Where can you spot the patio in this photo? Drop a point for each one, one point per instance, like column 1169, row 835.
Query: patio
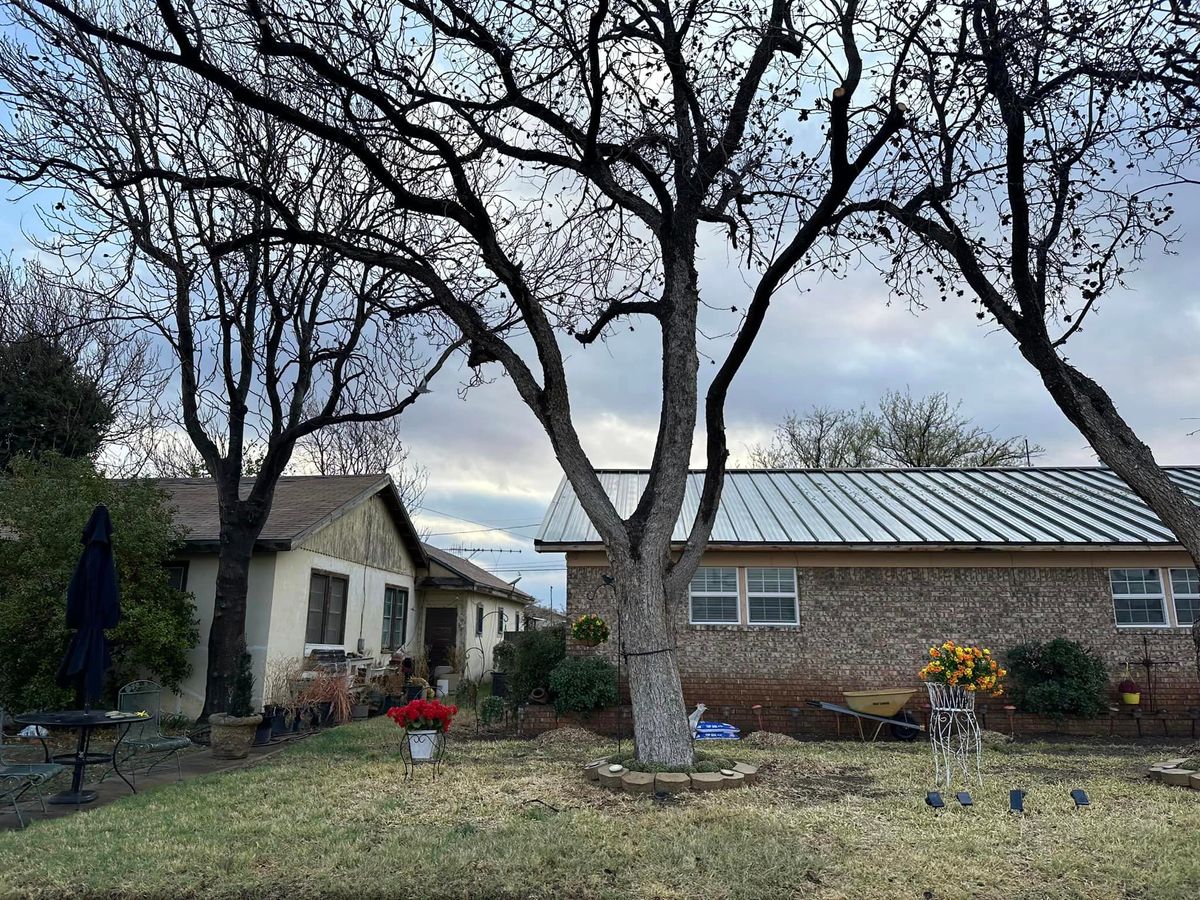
column 192, row 764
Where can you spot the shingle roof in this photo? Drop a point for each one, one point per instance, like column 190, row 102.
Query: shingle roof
column 1033, row 507
column 470, row 574
column 302, row 504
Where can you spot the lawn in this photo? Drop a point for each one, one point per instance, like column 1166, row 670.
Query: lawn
column 333, row 817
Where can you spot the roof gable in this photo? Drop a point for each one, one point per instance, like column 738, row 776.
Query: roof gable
column 1034, row 507
column 302, row 506
column 448, row 570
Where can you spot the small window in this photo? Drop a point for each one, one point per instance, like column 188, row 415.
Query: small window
column 1185, row 589
column 1138, row 596
column 177, row 573
column 516, row 622
column 395, row 618
column 501, row 615
column 714, row 597
column 326, row 609
column 771, row 596
column 479, row 619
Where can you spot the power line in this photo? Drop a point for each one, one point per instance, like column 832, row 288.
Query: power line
column 484, row 526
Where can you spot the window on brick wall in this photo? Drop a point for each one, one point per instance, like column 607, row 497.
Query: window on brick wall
column 771, row 596
column 714, row 596
column 1185, row 591
column 1138, row 597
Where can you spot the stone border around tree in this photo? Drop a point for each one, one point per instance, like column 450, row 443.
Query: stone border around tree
column 618, row 778
column 1169, row 772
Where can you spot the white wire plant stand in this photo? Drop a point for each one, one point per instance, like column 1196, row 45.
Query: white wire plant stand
column 954, row 735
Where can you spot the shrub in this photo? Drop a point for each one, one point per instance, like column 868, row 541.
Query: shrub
column 1058, row 679
column 583, row 683
column 535, row 655
column 45, row 503
column 491, row 710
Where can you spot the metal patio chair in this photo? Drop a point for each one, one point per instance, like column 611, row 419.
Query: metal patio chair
column 11, row 789
column 36, row 773
column 145, row 738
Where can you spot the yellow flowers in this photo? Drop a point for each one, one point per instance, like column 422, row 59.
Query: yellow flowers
column 967, row 666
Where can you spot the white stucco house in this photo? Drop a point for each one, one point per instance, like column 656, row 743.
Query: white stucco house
column 339, row 565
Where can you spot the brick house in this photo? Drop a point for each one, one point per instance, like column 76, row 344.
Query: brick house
column 816, row 582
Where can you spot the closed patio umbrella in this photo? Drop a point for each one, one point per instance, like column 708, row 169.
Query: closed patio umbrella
column 93, row 605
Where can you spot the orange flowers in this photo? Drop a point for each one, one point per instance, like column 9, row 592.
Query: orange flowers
column 966, row 666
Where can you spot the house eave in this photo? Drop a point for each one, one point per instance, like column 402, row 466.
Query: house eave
column 597, row 546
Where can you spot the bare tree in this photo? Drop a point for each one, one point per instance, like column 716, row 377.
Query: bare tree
column 1052, row 137
column 906, row 431
column 822, row 438
column 566, row 162
column 117, row 358
column 364, row 448
column 272, row 340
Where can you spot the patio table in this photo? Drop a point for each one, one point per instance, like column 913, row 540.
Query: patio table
column 85, row 721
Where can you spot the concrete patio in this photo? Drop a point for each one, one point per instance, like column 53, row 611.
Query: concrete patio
column 192, row 764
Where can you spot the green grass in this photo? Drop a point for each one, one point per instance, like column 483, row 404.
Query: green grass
column 333, row 817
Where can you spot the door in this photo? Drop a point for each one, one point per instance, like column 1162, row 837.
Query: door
column 441, row 634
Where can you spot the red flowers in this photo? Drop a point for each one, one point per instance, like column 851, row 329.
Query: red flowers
column 423, row 715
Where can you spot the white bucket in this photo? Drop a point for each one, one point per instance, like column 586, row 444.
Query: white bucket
column 443, row 687
column 421, row 744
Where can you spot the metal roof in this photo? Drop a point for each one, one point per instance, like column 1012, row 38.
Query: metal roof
column 1030, row 507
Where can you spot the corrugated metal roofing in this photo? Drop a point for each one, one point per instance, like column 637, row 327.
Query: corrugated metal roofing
column 897, row 507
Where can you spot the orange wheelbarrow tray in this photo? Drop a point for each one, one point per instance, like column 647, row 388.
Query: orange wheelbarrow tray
column 884, row 706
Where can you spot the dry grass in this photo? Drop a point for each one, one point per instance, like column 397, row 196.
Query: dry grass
column 332, row 817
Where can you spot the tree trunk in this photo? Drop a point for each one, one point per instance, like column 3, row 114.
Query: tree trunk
column 227, row 636
column 1092, row 411
column 660, row 727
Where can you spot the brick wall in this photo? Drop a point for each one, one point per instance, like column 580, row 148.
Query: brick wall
column 863, row 627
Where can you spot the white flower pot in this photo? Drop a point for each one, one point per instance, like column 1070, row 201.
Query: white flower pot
column 422, row 744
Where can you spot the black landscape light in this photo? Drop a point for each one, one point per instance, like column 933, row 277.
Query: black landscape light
column 964, row 799
column 1079, row 795
column 1016, row 801
column 934, row 799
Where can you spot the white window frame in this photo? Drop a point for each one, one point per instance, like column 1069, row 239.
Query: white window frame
column 692, row 593
column 750, row 595
column 1187, row 595
column 1162, row 599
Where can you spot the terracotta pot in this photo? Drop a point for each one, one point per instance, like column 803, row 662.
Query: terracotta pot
column 232, row 736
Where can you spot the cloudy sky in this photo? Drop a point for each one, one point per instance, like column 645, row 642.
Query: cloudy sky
column 841, row 343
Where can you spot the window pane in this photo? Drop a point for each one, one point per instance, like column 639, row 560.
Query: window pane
column 316, row 608
column 501, row 618
column 715, row 581
column 1187, row 610
column 400, row 617
column 177, row 576
column 1185, row 581
column 1139, row 610
column 479, row 620
column 766, row 610
column 713, row 608
column 1138, row 582
column 335, row 609
column 771, row 581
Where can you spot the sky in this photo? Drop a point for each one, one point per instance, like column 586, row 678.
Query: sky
column 842, row 343
column 491, row 472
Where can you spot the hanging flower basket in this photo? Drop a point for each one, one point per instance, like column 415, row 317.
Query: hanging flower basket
column 590, row 630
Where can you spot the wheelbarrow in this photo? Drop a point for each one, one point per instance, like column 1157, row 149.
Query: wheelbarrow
column 882, row 706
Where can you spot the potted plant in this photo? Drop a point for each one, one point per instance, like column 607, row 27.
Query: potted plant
column 233, row 730
column 1131, row 694
column 590, row 630
column 956, row 673
column 415, row 689
column 424, row 722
